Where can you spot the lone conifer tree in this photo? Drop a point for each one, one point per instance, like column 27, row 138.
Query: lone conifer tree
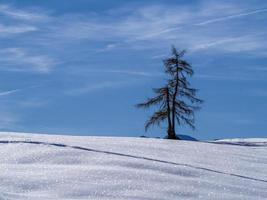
column 177, row 100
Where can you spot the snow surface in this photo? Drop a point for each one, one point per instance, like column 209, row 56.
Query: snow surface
column 35, row 167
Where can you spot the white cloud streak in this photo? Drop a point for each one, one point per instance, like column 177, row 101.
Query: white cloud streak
column 6, row 30
column 138, row 27
column 136, row 73
column 26, row 15
column 95, row 87
column 14, row 91
column 151, row 27
column 9, row 92
column 18, row 59
column 226, row 77
column 148, row 27
column 238, row 15
column 33, row 103
column 129, row 72
column 244, row 43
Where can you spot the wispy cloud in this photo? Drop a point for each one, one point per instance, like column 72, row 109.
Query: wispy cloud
column 18, row 21
column 215, row 43
column 33, row 103
column 14, row 91
column 148, row 27
column 227, row 77
column 136, row 73
column 35, row 39
column 244, row 43
column 9, row 92
column 151, row 27
column 139, row 28
column 28, row 57
column 225, row 18
column 10, row 117
column 96, row 86
column 6, row 30
column 28, row 15
column 18, row 59
column 129, row 72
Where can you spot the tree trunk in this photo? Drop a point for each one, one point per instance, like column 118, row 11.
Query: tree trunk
column 170, row 131
column 173, row 103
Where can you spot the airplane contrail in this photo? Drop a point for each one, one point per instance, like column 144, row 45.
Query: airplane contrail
column 171, row 29
column 231, row 17
column 5, row 93
column 9, row 92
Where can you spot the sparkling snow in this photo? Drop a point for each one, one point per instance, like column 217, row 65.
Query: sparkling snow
column 35, row 167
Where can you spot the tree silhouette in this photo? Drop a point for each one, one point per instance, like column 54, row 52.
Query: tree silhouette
column 163, row 100
column 177, row 100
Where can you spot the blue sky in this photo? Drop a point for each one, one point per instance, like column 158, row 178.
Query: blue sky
column 79, row 67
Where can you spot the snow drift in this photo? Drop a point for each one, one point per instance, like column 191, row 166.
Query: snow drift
column 36, row 167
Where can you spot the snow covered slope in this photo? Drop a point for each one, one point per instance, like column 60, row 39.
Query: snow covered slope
column 35, row 167
column 244, row 141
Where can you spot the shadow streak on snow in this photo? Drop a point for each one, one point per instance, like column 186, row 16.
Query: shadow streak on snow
column 246, row 144
column 131, row 156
